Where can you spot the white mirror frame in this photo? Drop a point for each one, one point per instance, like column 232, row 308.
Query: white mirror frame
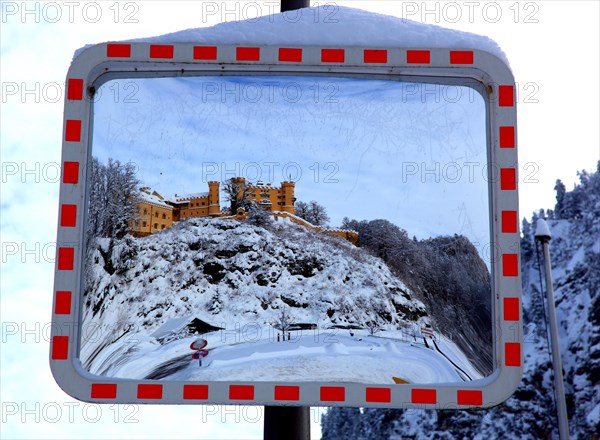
column 97, row 64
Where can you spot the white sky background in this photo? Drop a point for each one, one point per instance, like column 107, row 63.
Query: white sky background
column 553, row 49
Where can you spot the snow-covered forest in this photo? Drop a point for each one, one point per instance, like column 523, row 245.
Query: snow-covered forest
column 530, row 413
column 112, row 202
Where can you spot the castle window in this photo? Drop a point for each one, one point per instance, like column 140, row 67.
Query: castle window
column 145, row 211
column 156, row 214
column 162, row 226
column 164, row 215
column 155, row 225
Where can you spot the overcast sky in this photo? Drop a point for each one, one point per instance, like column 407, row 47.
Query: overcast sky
column 553, row 49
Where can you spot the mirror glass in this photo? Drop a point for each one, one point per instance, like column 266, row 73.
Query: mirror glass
column 288, row 228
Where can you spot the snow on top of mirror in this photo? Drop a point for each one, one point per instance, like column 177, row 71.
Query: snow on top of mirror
column 324, row 25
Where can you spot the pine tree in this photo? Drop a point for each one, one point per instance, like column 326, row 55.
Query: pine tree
column 560, row 199
column 258, row 216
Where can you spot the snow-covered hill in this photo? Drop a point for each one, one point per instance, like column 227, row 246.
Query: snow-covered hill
column 231, row 274
column 531, row 412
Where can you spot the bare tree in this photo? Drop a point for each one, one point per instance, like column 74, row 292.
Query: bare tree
column 312, row 212
column 318, row 214
column 283, row 320
column 373, row 327
column 238, row 195
column 301, row 209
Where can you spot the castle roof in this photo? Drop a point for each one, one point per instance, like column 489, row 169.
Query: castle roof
column 178, row 198
column 153, row 199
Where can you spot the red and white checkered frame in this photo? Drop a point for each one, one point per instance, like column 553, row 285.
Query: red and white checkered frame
column 130, row 60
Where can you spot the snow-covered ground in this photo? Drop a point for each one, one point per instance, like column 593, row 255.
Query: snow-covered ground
column 255, row 354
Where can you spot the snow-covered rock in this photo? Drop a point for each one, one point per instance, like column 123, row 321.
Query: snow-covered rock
column 229, row 273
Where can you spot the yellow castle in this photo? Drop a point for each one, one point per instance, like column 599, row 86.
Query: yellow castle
column 156, row 213
column 267, row 196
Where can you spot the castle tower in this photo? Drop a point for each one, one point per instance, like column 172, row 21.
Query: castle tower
column 214, row 205
column 287, row 191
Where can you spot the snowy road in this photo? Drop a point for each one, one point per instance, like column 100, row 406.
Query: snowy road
column 308, row 356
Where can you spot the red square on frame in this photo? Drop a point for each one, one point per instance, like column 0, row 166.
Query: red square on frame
column 461, row 57
column 287, row 392
column 333, row 55
column 424, row 396
column 118, row 50
column 418, row 56
column 469, row 397
column 288, row 54
column 509, row 222
column 383, row 395
column 195, row 392
column 241, row 392
column 376, row 56
column 512, row 354
column 104, row 391
column 71, row 172
column 511, row 309
column 62, row 303
column 333, row 394
column 75, row 89
column 508, row 179
column 510, row 265
column 66, row 258
column 73, row 130
column 149, row 391
column 506, row 96
column 507, row 137
column 68, row 215
column 60, row 348
column 161, row 51
column 205, row 52
column 247, row 54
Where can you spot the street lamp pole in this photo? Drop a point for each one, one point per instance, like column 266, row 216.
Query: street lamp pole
column 542, row 234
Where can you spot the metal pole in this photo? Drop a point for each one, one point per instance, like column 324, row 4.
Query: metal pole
column 288, row 422
column 543, row 235
column 290, row 5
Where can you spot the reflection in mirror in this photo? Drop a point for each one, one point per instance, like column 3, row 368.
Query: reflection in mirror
column 305, row 228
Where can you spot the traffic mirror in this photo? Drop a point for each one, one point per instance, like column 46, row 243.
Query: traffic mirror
column 339, row 225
